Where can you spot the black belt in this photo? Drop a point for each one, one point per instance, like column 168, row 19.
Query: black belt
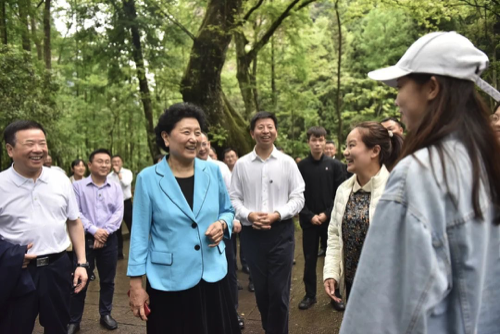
column 45, row 260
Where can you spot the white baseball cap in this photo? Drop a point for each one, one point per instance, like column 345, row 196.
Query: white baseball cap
column 442, row 53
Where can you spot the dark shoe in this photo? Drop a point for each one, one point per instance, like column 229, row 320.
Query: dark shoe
column 321, row 253
column 92, row 277
column 241, row 322
column 120, row 256
column 307, row 303
column 109, row 322
column 251, row 287
column 245, row 269
column 339, row 307
column 239, row 286
column 73, row 328
column 294, row 262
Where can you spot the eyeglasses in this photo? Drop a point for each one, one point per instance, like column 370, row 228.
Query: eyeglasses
column 494, row 118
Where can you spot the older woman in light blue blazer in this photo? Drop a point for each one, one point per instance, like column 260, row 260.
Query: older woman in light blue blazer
column 181, row 213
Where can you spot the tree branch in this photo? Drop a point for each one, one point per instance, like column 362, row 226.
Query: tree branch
column 275, row 25
column 172, row 19
column 253, row 9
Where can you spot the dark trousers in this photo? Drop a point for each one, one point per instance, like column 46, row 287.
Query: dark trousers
column 310, row 241
column 50, row 300
column 323, row 234
column 127, row 218
column 270, row 258
column 106, row 259
column 231, row 270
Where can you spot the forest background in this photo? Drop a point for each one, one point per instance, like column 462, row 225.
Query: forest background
column 99, row 73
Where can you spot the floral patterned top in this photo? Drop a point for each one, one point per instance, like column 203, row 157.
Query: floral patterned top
column 354, row 229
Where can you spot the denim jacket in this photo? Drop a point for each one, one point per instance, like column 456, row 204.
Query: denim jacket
column 428, row 264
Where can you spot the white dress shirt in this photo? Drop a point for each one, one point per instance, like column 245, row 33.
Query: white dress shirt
column 268, row 185
column 36, row 212
column 224, row 170
column 125, row 182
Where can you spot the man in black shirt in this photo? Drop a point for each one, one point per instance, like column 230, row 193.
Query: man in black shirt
column 322, row 176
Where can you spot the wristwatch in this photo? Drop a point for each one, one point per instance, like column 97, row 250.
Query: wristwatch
column 83, row 265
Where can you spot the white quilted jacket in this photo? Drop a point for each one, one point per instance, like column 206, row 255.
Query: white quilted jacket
column 334, row 260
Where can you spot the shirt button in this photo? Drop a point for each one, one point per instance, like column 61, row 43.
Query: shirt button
column 194, row 225
column 197, row 247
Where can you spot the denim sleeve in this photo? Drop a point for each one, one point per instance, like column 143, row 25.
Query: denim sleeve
column 402, row 274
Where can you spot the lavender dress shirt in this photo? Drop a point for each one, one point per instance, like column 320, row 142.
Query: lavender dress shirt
column 100, row 206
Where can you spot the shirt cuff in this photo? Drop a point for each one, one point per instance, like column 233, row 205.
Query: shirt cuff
column 92, row 229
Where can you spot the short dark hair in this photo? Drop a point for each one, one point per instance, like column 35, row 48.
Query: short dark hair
column 117, row 156
column 173, row 115
column 394, row 119
column 229, row 149
column 316, row 131
column 99, row 150
column 331, row 142
column 10, row 131
column 262, row 115
column 76, row 162
column 213, row 150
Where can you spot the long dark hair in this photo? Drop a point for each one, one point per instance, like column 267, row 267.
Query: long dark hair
column 458, row 109
column 373, row 133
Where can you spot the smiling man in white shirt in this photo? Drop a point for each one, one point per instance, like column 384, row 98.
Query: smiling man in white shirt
column 37, row 204
column 267, row 190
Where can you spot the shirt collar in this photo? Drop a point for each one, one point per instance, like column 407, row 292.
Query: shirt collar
column 274, row 154
column 367, row 187
column 88, row 180
column 19, row 180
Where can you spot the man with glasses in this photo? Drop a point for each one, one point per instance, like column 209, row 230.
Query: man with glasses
column 101, row 211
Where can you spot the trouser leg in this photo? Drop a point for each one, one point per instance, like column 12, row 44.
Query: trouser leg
column 310, row 242
column 106, row 260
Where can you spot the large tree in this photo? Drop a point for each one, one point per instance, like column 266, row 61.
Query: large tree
column 201, row 83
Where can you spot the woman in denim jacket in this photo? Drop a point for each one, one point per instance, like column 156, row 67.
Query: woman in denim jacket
column 431, row 259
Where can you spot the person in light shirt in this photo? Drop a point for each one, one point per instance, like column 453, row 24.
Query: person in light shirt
column 124, row 178
column 267, row 191
column 37, row 204
column 204, row 153
column 101, row 209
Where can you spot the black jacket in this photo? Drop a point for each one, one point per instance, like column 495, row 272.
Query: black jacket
column 322, row 178
column 14, row 281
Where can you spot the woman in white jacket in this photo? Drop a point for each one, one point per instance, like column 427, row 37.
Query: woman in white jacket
column 371, row 152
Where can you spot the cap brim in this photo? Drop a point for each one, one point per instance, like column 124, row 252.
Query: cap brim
column 388, row 75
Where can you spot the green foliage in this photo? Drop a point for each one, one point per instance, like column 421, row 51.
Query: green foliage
column 91, row 97
column 27, row 92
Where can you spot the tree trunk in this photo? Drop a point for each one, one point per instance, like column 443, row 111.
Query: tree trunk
column 46, row 40
column 243, row 74
column 34, row 34
column 23, row 16
column 274, row 94
column 339, row 63
column 3, row 23
column 254, row 84
column 201, row 83
column 131, row 17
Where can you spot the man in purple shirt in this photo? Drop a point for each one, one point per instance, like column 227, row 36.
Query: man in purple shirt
column 101, row 212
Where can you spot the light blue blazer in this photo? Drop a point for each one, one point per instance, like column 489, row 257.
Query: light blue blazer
column 168, row 242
